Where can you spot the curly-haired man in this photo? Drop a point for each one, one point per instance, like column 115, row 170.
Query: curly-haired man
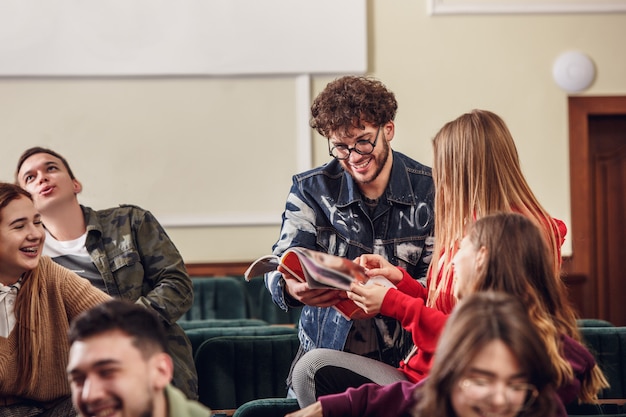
column 367, row 199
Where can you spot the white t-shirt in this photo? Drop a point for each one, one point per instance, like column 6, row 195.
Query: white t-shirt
column 73, row 255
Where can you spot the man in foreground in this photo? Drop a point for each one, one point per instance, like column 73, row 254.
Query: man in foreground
column 118, row 365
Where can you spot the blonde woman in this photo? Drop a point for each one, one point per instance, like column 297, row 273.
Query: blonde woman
column 477, row 172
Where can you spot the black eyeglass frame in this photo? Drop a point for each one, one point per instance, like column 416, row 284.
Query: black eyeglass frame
column 354, row 148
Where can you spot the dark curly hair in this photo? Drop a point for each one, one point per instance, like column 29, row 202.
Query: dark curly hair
column 349, row 101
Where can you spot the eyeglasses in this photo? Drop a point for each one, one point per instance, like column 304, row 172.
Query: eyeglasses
column 362, row 147
column 518, row 394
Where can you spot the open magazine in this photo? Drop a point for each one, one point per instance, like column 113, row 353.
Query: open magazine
column 320, row 270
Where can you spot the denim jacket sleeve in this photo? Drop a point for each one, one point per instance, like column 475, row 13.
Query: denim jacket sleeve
column 298, row 229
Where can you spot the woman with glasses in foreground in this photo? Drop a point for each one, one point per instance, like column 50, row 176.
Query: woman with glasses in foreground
column 502, row 252
column 490, row 361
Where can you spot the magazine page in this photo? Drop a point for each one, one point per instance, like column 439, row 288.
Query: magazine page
column 307, row 265
column 320, row 271
column 330, row 271
column 262, row 265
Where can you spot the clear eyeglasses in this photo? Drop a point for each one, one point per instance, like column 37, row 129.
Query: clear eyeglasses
column 519, row 394
column 362, row 147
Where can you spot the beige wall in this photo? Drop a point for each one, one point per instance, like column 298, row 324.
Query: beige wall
column 223, row 148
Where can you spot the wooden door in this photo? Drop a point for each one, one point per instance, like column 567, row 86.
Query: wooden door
column 598, row 193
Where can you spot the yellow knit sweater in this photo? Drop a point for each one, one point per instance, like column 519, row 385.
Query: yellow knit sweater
column 64, row 296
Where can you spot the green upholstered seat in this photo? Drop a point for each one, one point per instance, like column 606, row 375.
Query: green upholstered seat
column 202, row 324
column 608, row 345
column 233, row 370
column 262, row 306
column 613, row 410
column 593, row 323
column 200, row 335
column 218, row 298
column 267, row 407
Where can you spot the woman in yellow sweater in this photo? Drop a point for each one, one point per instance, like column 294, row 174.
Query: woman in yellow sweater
column 38, row 299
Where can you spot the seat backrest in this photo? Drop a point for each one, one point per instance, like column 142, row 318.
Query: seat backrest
column 262, row 307
column 594, row 323
column 200, row 335
column 218, row 298
column 233, row 370
column 267, row 407
column 608, row 345
column 203, row 324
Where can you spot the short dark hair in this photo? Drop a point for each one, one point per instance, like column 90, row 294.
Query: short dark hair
column 138, row 322
column 34, row 151
column 349, row 101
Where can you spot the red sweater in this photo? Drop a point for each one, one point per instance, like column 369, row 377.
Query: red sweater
column 407, row 305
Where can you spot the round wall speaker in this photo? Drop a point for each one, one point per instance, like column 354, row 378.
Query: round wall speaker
column 573, row 71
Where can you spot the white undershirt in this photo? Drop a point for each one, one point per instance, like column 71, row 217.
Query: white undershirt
column 73, row 255
column 54, row 248
column 8, row 294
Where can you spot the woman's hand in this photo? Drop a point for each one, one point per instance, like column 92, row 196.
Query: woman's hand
column 369, row 297
column 377, row 265
column 313, row 410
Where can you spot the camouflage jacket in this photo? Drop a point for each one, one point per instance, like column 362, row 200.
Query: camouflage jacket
column 138, row 262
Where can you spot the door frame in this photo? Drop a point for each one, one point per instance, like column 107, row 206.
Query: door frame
column 580, row 268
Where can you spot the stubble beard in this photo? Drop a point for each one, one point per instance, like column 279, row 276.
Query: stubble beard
column 380, row 163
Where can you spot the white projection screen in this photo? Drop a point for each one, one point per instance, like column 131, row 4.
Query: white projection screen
column 181, row 37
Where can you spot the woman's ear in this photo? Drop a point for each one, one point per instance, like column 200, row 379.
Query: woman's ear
column 481, row 258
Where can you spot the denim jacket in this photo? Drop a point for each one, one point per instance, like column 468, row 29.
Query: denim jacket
column 139, row 262
column 325, row 212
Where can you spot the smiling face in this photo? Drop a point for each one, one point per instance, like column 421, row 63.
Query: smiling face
column 494, row 385
column 21, row 239
column 109, row 376
column 367, row 169
column 48, row 180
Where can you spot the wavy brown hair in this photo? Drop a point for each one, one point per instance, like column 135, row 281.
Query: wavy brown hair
column 519, row 263
column 349, row 101
column 478, row 320
column 27, row 310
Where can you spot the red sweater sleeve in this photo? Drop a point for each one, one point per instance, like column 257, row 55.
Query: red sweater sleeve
column 411, row 286
column 424, row 323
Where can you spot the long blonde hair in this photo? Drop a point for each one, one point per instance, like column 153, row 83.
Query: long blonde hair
column 28, row 312
column 476, row 172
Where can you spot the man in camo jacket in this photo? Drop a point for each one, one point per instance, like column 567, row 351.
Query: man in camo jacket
column 124, row 251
